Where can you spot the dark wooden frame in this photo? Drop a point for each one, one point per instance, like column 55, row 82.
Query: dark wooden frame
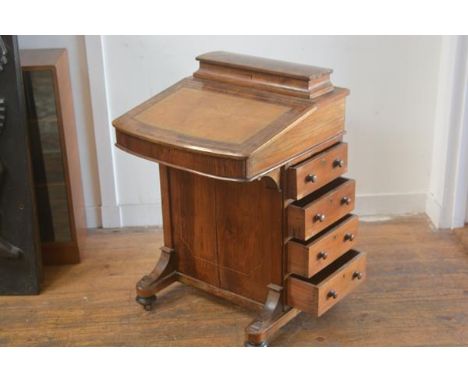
column 56, row 61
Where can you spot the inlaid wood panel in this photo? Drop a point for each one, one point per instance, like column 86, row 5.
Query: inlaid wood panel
column 193, row 219
column 226, row 234
column 211, row 115
column 249, row 236
column 280, row 112
column 321, row 125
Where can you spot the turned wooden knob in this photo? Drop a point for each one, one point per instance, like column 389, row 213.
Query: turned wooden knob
column 311, row 178
column 319, row 217
column 346, row 200
column 357, row 275
column 332, row 294
column 322, row 255
column 349, row 236
column 338, row 163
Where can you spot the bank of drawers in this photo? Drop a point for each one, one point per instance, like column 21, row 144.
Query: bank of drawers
column 322, row 267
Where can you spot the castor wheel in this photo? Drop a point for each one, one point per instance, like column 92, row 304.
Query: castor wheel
column 147, row 302
column 263, row 344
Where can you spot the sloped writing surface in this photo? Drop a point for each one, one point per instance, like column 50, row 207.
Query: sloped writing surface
column 227, row 131
column 211, row 115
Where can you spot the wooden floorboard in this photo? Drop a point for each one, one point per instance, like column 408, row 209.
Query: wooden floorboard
column 416, row 294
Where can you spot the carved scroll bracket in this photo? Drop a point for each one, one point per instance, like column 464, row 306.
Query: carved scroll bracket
column 162, row 274
column 273, row 179
column 272, row 317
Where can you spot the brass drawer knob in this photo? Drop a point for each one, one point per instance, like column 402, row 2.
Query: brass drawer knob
column 322, row 255
column 332, row 294
column 357, row 275
column 349, row 236
column 338, row 163
column 311, row 178
column 346, row 200
column 319, row 217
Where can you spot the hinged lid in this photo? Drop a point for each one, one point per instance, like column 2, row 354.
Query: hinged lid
column 237, row 117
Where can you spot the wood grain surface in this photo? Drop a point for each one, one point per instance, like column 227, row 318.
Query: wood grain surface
column 56, row 61
column 216, row 234
column 416, row 294
column 245, row 131
column 307, row 258
column 314, row 295
column 257, row 72
column 317, row 171
column 210, row 115
column 328, row 202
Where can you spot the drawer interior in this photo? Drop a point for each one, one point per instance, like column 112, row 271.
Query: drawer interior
column 319, row 193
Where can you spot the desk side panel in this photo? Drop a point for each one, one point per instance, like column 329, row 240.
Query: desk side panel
column 193, row 219
column 249, row 237
column 324, row 124
column 227, row 234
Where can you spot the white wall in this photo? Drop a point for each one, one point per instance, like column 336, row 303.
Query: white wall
column 448, row 187
column 466, row 212
column 390, row 114
column 84, row 124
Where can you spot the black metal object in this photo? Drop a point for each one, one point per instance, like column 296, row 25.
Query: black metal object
column 146, row 302
column 3, row 54
column 20, row 263
column 44, row 208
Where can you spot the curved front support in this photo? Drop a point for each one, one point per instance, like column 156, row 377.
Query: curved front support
column 161, row 276
column 272, row 317
column 272, row 179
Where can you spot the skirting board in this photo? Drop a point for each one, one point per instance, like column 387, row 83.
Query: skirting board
column 441, row 218
column 93, row 217
column 390, row 204
column 134, row 215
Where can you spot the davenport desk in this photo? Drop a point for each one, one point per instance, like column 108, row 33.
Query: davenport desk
column 255, row 208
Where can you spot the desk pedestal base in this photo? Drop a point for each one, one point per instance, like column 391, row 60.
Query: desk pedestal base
column 271, row 317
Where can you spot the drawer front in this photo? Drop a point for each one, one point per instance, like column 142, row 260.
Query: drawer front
column 306, row 259
column 305, row 221
column 317, row 171
column 319, row 294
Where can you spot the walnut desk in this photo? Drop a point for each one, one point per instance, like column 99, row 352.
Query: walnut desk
column 255, row 208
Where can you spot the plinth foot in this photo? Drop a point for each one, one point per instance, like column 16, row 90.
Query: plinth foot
column 252, row 345
column 160, row 277
column 272, row 318
column 146, row 302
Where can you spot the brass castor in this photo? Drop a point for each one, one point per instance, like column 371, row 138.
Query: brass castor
column 147, row 302
column 263, row 344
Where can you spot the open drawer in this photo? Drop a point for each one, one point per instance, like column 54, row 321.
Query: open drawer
column 317, row 171
column 319, row 293
column 317, row 211
column 306, row 258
